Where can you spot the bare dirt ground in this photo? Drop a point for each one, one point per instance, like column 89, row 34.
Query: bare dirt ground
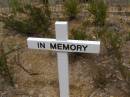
column 45, row 83
column 41, row 77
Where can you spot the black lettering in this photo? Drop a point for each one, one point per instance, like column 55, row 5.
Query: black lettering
column 59, row 46
column 41, row 45
column 38, row 44
column 79, row 47
column 85, row 47
column 72, row 47
column 52, row 46
column 65, row 47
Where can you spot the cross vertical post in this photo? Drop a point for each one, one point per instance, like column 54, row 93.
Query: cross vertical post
column 62, row 46
column 62, row 59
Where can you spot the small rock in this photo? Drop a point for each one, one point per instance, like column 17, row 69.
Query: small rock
column 40, row 95
column 111, row 96
column 16, row 86
column 31, row 92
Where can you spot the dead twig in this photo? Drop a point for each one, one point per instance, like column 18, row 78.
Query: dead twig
column 18, row 63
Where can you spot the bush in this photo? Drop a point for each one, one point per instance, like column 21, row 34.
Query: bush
column 14, row 5
column 4, row 69
column 113, row 42
column 98, row 9
column 33, row 20
column 23, row 27
column 128, row 37
column 44, row 1
column 39, row 18
column 78, row 34
column 71, row 8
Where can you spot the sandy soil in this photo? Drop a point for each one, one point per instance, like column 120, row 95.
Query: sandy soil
column 41, row 80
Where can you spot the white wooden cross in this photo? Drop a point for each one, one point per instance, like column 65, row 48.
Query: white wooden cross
column 62, row 45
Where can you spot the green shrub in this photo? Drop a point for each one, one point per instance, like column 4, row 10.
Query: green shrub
column 71, row 8
column 39, row 18
column 14, row 5
column 44, row 1
column 78, row 34
column 114, row 42
column 23, row 27
column 98, row 9
column 35, row 20
column 128, row 37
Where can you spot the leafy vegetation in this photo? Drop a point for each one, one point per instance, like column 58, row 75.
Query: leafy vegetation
column 98, row 9
column 44, row 1
column 128, row 36
column 33, row 19
column 78, row 34
column 113, row 42
column 14, row 5
column 71, row 8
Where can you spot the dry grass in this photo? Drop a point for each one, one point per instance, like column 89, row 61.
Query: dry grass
column 44, row 64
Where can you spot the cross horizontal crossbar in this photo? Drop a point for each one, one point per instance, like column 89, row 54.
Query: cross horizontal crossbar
column 64, row 46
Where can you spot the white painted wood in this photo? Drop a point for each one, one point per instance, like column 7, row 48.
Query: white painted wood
column 80, row 46
column 62, row 59
column 62, row 45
